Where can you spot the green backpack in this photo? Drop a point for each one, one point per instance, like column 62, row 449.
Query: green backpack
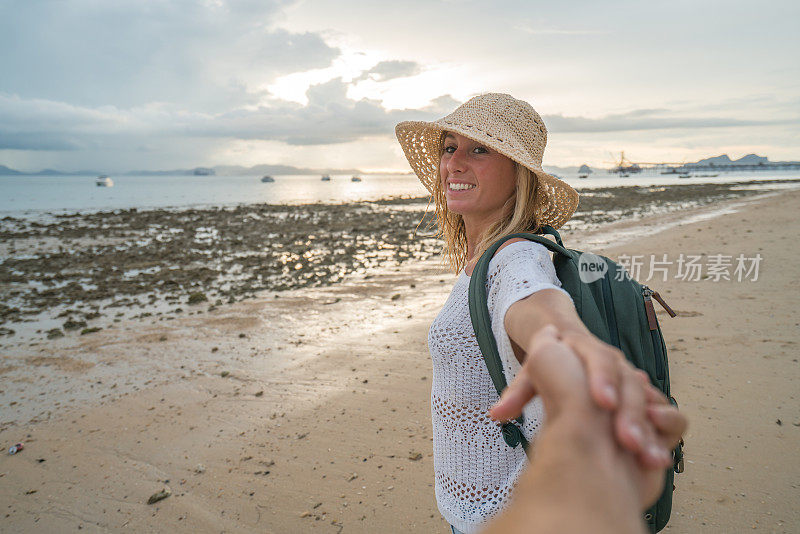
column 614, row 307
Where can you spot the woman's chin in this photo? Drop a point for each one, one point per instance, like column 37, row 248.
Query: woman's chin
column 457, row 206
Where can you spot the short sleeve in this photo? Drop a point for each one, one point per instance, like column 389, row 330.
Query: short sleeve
column 517, row 271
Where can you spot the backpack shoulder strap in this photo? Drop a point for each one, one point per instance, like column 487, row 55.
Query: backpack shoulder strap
column 482, row 323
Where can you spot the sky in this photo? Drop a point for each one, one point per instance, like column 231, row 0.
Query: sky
column 175, row 84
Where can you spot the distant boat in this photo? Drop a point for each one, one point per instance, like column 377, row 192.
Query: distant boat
column 267, row 179
column 583, row 176
column 706, row 175
column 625, row 175
column 326, row 177
column 355, row 179
column 686, row 175
column 104, row 181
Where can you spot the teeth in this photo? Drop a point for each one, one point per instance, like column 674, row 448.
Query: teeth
column 461, row 187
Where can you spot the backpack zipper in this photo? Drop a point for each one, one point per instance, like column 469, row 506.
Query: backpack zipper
column 647, row 293
column 663, row 304
column 658, row 348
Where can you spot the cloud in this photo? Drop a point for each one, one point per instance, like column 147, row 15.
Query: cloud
column 330, row 117
column 646, row 119
column 207, row 56
column 526, row 28
column 389, row 70
column 38, row 124
column 443, row 105
column 37, row 141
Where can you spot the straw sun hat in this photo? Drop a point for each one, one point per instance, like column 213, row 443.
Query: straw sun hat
column 500, row 122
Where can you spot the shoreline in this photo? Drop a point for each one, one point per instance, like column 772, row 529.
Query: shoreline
column 368, row 195
column 84, row 272
column 313, row 411
column 156, row 327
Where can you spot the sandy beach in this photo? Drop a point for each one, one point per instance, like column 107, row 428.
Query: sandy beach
column 306, row 407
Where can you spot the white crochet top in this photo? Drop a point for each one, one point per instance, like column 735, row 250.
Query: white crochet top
column 475, row 470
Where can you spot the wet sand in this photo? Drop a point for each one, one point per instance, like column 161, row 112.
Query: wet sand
column 308, row 409
column 74, row 274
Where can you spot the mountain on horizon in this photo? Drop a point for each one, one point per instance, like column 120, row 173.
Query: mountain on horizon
column 219, row 170
column 6, row 171
column 724, row 159
column 265, row 168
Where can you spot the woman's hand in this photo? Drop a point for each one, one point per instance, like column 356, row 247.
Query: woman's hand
column 617, row 385
column 581, row 480
column 614, row 384
column 541, row 375
column 670, row 424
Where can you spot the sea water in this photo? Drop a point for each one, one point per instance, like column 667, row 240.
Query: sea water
column 20, row 195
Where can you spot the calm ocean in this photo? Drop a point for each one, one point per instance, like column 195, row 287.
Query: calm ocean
column 36, row 194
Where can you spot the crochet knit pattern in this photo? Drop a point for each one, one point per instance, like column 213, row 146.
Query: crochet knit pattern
column 475, row 470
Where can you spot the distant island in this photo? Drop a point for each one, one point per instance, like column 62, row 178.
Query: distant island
column 723, row 162
column 219, row 170
column 750, row 162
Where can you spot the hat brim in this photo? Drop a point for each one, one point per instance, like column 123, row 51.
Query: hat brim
column 422, row 144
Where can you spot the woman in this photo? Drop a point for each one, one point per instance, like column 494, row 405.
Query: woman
column 482, row 165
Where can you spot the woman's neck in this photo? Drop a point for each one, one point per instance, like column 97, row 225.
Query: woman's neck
column 474, row 229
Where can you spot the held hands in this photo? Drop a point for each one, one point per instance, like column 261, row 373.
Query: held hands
column 644, row 423
column 618, row 386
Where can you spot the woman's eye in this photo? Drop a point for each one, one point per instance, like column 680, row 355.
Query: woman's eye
column 477, row 150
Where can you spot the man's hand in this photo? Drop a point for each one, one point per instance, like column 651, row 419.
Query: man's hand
column 580, row 477
column 612, row 382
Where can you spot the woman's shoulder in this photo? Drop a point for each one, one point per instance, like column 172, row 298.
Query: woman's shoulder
column 518, row 244
column 512, row 241
column 517, row 253
column 521, row 263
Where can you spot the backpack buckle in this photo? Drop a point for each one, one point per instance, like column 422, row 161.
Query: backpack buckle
column 677, row 456
column 512, row 434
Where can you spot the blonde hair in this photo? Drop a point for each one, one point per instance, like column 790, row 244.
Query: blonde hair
column 521, row 213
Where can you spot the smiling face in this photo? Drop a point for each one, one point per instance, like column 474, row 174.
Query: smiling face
column 477, row 181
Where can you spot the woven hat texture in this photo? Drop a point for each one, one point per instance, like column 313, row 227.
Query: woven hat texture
column 500, row 122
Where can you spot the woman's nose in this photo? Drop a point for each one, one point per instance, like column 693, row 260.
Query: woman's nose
column 456, row 162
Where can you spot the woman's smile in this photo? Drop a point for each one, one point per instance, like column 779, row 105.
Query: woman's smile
column 459, row 186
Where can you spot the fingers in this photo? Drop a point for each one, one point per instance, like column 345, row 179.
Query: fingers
column 518, row 393
column 652, row 393
column 558, row 374
column 616, row 385
column 635, row 429
column 602, row 366
column 552, row 370
column 669, row 423
column 630, row 417
column 559, row 369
